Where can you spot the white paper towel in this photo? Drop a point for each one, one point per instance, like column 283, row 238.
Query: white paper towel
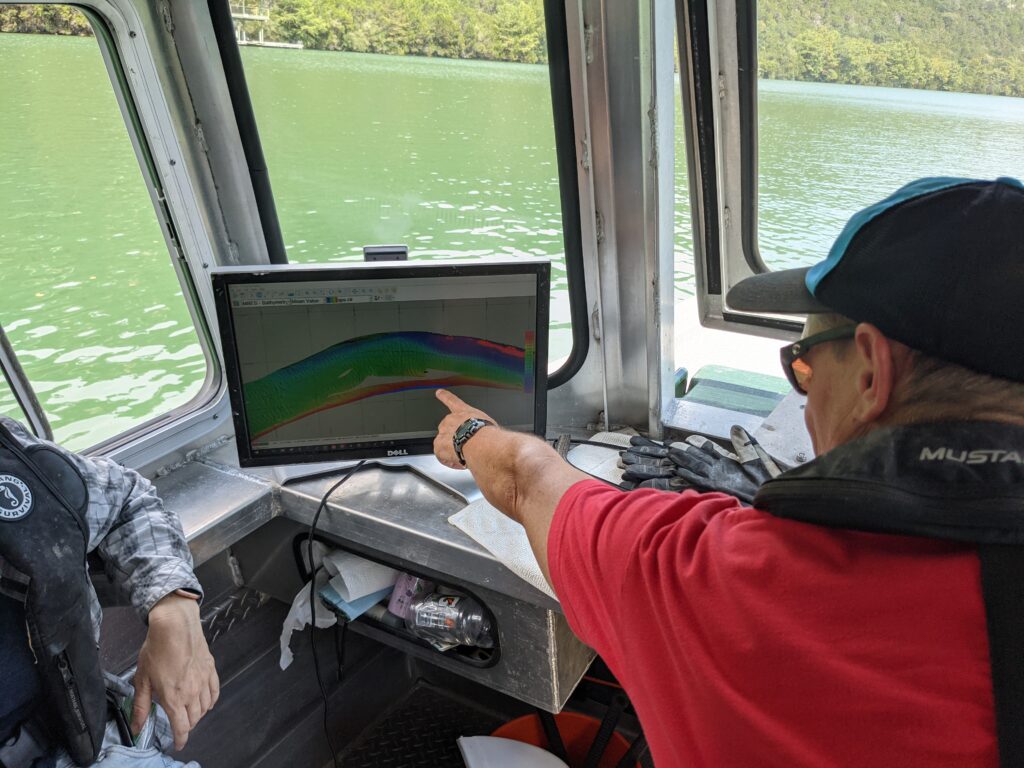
column 506, row 539
column 353, row 577
column 502, row 537
column 600, row 461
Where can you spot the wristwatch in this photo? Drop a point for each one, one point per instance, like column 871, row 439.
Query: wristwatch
column 466, row 430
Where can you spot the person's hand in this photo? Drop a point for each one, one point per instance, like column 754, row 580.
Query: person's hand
column 459, row 411
column 175, row 664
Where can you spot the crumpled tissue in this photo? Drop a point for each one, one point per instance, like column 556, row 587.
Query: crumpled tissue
column 351, row 576
column 299, row 617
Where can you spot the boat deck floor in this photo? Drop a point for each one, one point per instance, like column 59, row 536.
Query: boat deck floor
column 421, row 729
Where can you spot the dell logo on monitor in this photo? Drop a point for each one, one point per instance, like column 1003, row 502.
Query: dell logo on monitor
column 398, row 452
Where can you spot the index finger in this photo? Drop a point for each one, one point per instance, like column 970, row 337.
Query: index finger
column 450, row 401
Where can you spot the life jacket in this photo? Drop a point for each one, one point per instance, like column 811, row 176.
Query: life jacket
column 44, row 535
column 957, row 481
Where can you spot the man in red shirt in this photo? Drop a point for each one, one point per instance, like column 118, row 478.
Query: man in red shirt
column 867, row 610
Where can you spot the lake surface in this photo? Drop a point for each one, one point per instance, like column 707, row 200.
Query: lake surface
column 454, row 158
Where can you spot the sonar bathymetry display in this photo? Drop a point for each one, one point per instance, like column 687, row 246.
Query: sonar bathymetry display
column 381, row 364
column 351, row 361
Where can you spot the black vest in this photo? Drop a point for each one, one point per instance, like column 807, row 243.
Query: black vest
column 958, row 481
column 19, row 681
column 44, row 535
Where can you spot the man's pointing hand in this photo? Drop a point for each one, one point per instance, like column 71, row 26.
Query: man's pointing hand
column 458, row 412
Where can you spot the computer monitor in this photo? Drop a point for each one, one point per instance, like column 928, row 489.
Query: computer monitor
column 340, row 361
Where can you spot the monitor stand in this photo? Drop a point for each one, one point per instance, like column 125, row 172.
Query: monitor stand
column 455, row 481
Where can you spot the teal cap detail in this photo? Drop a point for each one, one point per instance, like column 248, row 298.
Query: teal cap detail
column 914, row 189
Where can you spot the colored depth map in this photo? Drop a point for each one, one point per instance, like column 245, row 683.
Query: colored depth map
column 318, row 371
column 381, row 364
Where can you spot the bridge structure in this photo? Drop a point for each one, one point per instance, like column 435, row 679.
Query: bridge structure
column 254, row 12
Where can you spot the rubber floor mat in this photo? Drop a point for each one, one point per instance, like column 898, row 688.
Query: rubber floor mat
column 420, row 730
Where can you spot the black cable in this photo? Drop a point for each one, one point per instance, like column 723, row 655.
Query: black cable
column 555, row 744
column 340, row 636
column 605, row 731
column 599, row 444
column 312, row 603
column 635, row 754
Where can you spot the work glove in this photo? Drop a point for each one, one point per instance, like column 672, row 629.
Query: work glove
column 647, row 464
column 705, row 465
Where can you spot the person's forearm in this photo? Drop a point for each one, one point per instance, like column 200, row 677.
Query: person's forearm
column 523, row 477
column 141, row 542
column 495, row 457
column 519, row 474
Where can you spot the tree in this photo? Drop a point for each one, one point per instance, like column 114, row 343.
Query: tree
column 300, row 21
column 519, row 31
column 859, row 61
column 818, row 53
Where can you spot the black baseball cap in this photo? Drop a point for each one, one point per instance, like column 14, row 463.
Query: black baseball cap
column 938, row 265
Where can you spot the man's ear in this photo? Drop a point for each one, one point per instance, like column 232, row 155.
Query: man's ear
column 875, row 373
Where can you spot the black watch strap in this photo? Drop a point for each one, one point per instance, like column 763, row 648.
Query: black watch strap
column 466, row 430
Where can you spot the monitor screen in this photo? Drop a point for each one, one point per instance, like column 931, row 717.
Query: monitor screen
column 341, row 361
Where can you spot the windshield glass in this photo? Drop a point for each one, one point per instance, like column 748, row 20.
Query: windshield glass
column 424, row 124
column 857, row 98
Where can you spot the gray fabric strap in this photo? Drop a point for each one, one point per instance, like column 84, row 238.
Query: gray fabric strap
column 1002, row 583
column 25, row 747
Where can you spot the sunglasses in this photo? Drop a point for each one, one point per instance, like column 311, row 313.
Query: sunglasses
column 797, row 370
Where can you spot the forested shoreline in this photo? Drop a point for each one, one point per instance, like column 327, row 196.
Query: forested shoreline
column 974, row 46
column 947, row 45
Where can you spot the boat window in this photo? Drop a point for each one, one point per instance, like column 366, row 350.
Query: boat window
column 92, row 305
column 430, row 128
column 856, row 99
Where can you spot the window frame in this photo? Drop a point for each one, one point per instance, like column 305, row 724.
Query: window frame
column 121, row 36
column 719, row 94
column 21, row 389
column 556, row 30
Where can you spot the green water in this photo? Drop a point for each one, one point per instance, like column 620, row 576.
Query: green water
column 826, row 151
column 91, row 303
column 454, row 158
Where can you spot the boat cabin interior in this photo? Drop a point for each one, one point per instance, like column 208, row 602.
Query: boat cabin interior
column 150, row 144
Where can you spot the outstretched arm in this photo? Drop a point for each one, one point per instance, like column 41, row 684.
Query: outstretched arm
column 519, row 474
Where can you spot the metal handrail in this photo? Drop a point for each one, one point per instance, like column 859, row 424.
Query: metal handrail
column 257, row 7
column 22, row 389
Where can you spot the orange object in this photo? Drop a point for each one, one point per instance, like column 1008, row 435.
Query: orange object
column 578, row 732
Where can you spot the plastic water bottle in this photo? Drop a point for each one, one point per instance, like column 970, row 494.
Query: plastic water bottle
column 408, row 589
column 450, row 620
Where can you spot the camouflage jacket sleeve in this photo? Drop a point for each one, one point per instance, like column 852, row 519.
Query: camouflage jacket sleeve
column 142, row 544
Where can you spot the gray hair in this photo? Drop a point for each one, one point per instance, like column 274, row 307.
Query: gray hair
column 933, row 388
column 826, row 321
column 948, row 390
